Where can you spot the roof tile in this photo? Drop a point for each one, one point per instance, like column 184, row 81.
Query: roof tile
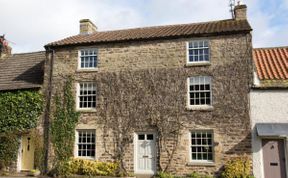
column 22, row 71
column 271, row 63
column 158, row 32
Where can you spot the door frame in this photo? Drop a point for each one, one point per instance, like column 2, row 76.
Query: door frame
column 285, row 140
column 19, row 157
column 135, row 141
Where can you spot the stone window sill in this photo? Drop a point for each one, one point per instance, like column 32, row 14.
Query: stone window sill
column 87, row 70
column 200, row 108
column 208, row 164
column 192, row 64
column 86, row 110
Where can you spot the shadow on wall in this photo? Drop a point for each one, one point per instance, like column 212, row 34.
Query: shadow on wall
column 243, row 147
column 32, row 75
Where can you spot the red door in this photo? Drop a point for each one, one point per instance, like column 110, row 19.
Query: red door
column 274, row 158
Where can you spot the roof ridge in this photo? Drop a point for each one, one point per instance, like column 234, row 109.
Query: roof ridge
column 160, row 26
column 28, row 53
column 276, row 47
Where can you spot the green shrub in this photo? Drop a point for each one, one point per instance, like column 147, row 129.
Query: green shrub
column 86, row 167
column 9, row 144
column 237, row 168
column 163, row 174
column 62, row 168
column 197, row 175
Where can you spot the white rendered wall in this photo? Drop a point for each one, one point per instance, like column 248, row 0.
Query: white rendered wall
column 266, row 106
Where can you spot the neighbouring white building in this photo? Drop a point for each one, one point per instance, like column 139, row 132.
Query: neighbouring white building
column 269, row 112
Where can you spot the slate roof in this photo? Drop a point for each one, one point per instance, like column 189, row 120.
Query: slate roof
column 22, row 71
column 229, row 26
column 271, row 63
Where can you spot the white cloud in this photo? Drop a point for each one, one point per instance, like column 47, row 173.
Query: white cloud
column 31, row 24
column 269, row 29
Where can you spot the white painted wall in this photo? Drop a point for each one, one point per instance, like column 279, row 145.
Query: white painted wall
column 266, row 106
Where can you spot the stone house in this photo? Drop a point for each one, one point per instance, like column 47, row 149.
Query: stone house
column 269, row 116
column 169, row 97
column 22, row 72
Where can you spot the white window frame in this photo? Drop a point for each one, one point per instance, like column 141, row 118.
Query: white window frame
column 78, row 97
column 203, row 106
column 76, row 144
column 196, row 63
column 79, row 59
column 190, row 148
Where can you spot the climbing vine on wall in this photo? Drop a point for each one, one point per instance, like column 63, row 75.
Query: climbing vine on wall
column 135, row 100
column 19, row 111
column 64, row 123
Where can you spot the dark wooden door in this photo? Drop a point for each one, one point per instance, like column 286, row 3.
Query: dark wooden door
column 274, row 158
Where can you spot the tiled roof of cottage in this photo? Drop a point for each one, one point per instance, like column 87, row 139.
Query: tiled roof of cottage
column 22, row 71
column 229, row 26
column 271, row 63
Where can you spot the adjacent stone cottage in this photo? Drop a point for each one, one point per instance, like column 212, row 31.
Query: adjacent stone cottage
column 169, row 97
column 269, row 116
column 21, row 76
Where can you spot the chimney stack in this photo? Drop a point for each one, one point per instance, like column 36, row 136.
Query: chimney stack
column 5, row 49
column 240, row 11
column 87, row 27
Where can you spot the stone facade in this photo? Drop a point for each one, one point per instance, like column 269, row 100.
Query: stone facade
column 230, row 57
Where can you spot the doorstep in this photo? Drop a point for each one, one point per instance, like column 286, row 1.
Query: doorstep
column 144, row 175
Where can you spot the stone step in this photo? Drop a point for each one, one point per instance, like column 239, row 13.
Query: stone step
column 144, row 175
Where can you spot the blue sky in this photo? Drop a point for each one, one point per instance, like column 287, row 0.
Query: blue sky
column 31, row 24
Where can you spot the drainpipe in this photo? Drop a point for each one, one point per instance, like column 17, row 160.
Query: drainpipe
column 50, row 57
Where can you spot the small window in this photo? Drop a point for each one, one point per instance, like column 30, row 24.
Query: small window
column 87, row 96
column 86, row 143
column 141, row 137
column 150, row 136
column 199, row 91
column 198, row 51
column 88, row 59
column 145, row 136
column 202, row 146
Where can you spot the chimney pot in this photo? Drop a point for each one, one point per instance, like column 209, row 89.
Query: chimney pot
column 240, row 12
column 87, row 27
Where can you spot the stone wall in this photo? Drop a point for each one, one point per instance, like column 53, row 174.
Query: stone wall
column 230, row 58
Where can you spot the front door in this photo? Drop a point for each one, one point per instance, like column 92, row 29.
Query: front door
column 27, row 153
column 145, row 153
column 274, row 158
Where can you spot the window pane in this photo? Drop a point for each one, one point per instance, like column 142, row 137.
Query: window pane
column 208, row 101
column 149, row 136
column 141, row 137
column 210, row 157
column 193, row 149
column 205, row 157
column 193, row 156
